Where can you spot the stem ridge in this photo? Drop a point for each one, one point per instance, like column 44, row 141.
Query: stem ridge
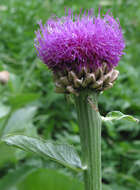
column 90, row 134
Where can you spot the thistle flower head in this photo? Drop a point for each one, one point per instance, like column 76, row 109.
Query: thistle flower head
column 76, row 41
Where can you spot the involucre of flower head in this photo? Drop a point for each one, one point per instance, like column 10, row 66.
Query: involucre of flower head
column 74, row 42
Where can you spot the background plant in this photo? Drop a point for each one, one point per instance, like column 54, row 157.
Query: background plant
column 30, row 93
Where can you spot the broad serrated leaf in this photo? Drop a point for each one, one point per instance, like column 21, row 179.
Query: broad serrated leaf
column 61, row 153
column 117, row 115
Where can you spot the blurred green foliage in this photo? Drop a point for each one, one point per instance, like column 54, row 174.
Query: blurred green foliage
column 29, row 105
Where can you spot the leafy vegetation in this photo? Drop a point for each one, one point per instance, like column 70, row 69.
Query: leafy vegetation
column 29, row 106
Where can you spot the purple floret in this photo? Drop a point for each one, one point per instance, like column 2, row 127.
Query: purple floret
column 73, row 42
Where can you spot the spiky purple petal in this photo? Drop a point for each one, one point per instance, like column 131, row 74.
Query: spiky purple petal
column 72, row 42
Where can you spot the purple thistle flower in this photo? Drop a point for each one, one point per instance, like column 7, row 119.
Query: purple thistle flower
column 73, row 42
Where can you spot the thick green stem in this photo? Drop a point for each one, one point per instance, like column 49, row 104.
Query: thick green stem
column 90, row 134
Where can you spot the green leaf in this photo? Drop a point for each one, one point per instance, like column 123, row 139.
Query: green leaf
column 13, row 178
column 4, row 110
column 20, row 121
column 14, row 83
column 7, row 154
column 105, row 3
column 106, row 187
column 61, row 153
column 115, row 186
column 49, row 179
column 20, row 100
column 117, row 115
